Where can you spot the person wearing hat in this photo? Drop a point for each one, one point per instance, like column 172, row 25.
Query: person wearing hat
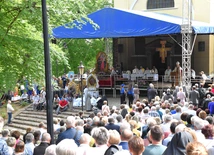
column 122, row 94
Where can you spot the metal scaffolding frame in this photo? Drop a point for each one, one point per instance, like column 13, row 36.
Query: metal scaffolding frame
column 186, row 31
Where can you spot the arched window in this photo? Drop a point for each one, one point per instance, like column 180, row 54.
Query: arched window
column 156, row 4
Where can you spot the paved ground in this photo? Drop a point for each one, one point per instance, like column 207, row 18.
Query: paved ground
column 116, row 101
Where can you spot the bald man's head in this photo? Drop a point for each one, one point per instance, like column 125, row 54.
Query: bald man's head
column 126, row 135
column 85, row 139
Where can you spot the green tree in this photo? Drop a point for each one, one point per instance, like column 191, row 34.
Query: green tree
column 21, row 41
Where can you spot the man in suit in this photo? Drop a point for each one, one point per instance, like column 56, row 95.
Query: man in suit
column 111, row 125
column 70, row 132
column 45, row 141
column 125, row 136
column 194, row 96
column 151, row 92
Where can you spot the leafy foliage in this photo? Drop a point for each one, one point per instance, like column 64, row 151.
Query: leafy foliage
column 21, row 41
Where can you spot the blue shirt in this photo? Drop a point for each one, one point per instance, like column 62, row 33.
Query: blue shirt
column 131, row 92
column 211, row 107
column 124, row 145
column 3, row 147
column 122, row 91
column 70, row 133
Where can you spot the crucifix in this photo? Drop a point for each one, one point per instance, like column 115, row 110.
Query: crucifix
column 163, row 50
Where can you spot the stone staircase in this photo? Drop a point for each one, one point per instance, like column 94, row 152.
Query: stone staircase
column 26, row 118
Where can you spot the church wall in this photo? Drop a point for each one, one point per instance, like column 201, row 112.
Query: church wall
column 211, row 64
column 123, row 5
column 199, row 13
column 201, row 10
column 211, row 12
column 201, row 58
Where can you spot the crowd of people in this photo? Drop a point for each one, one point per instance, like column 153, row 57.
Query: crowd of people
column 169, row 125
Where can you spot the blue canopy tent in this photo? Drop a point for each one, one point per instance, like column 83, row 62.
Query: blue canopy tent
column 116, row 23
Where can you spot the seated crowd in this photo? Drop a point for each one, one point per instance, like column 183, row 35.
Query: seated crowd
column 147, row 128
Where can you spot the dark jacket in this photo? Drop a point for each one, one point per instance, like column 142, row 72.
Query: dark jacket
column 40, row 149
column 112, row 126
column 70, row 133
column 151, row 94
column 194, row 96
column 167, row 97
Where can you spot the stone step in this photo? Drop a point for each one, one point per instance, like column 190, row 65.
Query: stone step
column 68, row 112
column 29, row 118
column 75, row 109
column 42, row 116
column 21, row 126
column 26, row 123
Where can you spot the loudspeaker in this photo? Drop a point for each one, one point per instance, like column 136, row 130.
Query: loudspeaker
column 120, row 48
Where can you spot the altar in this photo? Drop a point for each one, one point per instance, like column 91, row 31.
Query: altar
column 133, row 77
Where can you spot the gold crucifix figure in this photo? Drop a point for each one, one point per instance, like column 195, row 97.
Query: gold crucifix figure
column 163, row 50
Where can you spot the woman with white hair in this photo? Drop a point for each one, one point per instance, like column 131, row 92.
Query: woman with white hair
column 101, row 137
column 66, row 147
column 51, row 150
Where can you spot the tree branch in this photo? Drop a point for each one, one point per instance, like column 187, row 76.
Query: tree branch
column 11, row 23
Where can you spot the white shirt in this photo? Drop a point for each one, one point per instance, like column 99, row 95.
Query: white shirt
column 35, row 99
column 135, row 71
column 42, row 131
column 166, row 127
column 122, row 152
column 9, row 108
column 100, row 150
column 204, row 76
column 167, row 72
column 192, row 112
column 82, row 149
column 177, row 116
column 147, row 71
column 193, row 74
column 24, row 96
column 93, row 101
column 29, row 148
column 155, row 71
column 200, row 136
column 44, row 94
